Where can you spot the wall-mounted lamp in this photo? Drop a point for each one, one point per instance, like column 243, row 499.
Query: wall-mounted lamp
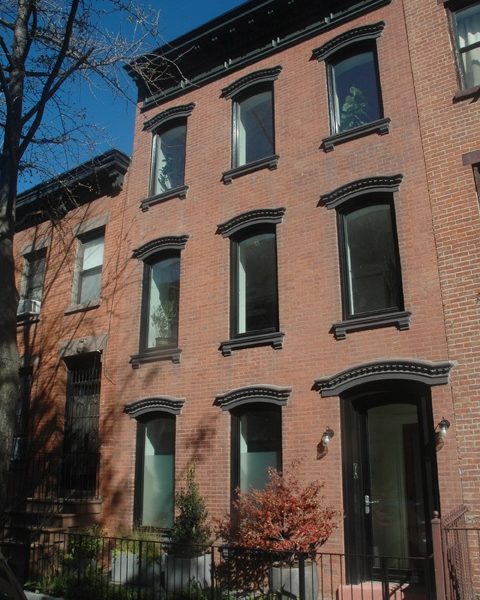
column 322, row 448
column 441, row 433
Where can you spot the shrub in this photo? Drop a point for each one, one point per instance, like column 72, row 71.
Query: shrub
column 190, row 533
column 283, row 517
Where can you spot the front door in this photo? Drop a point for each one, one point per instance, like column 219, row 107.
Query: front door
column 389, row 483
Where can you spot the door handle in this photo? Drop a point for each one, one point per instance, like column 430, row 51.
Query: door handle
column 368, row 503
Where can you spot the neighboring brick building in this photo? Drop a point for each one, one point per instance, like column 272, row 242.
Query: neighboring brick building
column 285, row 258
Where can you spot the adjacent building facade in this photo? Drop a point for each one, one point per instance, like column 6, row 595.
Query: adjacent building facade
column 288, row 272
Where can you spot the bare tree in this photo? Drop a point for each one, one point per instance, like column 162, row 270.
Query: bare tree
column 46, row 48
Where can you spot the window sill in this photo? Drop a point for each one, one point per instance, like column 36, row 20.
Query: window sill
column 466, row 94
column 399, row 318
column 27, row 319
column 270, row 162
column 154, row 355
column 382, row 127
column 83, row 307
column 178, row 192
column 273, row 338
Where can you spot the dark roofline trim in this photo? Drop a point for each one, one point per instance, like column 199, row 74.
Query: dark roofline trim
column 360, row 187
column 176, row 112
column 249, row 58
column 170, row 242
column 422, row 371
column 246, row 81
column 113, row 162
column 250, row 218
column 269, row 394
column 359, row 34
column 144, row 406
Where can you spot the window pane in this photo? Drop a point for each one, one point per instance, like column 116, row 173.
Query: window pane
column 169, row 161
column 355, row 93
column 89, row 285
column 260, row 446
column 373, row 273
column 159, row 472
column 257, row 283
column 92, row 253
column 468, row 33
column 35, row 270
column 163, row 302
column 254, row 128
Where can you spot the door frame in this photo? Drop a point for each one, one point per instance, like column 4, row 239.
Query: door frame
column 354, row 476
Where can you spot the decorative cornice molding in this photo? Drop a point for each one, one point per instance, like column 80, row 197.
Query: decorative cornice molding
column 359, row 187
column 169, row 242
column 270, row 394
column 252, row 217
column 359, row 34
column 176, row 112
column 254, row 78
column 423, row 371
column 167, row 404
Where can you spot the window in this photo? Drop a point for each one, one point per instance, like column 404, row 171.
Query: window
column 32, row 286
column 370, row 261
column 161, row 301
column 253, row 131
column 256, row 444
column 21, row 414
column 155, row 481
column 168, row 157
column 81, row 455
column 467, row 38
column 90, row 261
column 254, row 281
column 354, row 87
column 369, row 256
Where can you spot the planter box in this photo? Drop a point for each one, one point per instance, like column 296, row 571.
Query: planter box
column 285, row 582
column 127, row 568
column 184, row 573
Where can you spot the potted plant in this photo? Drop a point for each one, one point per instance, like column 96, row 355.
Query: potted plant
column 354, row 111
column 164, row 319
column 289, row 521
column 187, row 562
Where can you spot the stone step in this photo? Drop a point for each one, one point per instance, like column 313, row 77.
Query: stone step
column 373, row 590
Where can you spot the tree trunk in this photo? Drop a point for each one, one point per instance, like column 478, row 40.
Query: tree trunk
column 9, row 361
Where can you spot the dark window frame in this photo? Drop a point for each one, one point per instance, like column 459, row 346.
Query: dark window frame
column 145, row 306
column 345, row 44
column 238, row 91
column 20, row 431
column 235, row 242
column 237, row 100
column 235, row 415
column 340, row 55
column 142, row 421
column 348, row 208
column 452, row 7
column 176, row 190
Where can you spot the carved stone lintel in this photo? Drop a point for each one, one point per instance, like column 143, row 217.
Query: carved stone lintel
column 270, row 394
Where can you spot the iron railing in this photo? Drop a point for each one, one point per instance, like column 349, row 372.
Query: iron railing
column 143, row 568
column 461, row 555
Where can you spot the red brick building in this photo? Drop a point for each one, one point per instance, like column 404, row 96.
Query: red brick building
column 291, row 258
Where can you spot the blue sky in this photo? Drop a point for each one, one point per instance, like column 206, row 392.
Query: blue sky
column 176, row 18
column 114, row 116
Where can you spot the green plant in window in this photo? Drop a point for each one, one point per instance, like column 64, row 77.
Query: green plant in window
column 354, row 110
column 166, row 172
column 164, row 318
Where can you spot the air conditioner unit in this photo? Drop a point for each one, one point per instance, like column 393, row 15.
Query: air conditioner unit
column 28, row 306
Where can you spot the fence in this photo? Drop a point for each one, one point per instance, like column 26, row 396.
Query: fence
column 74, row 565
column 460, row 553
